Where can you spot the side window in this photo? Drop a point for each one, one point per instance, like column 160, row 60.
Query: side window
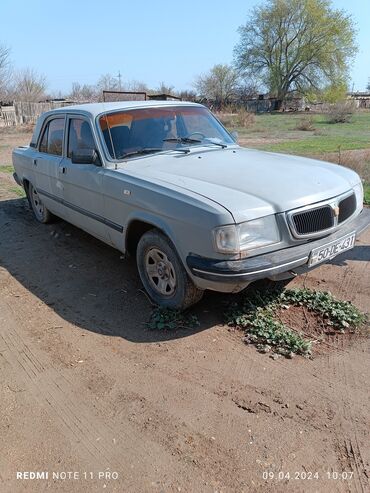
column 79, row 136
column 52, row 139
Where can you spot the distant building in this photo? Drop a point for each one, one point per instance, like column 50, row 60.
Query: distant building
column 361, row 99
column 163, row 97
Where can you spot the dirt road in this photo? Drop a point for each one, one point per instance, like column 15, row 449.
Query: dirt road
column 87, row 389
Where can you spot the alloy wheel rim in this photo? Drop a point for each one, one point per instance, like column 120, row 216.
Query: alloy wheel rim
column 160, row 272
column 38, row 206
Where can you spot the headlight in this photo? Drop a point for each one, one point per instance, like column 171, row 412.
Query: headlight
column 246, row 236
column 359, row 192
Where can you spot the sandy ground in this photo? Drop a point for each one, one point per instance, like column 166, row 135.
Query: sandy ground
column 87, row 390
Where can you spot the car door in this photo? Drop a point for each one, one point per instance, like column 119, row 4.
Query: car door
column 46, row 163
column 82, row 183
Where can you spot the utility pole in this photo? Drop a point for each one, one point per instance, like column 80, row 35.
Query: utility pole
column 119, row 79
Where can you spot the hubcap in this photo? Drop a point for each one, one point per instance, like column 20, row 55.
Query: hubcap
column 38, row 206
column 160, row 272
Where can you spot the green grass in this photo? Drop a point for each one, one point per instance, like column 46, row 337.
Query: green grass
column 6, row 168
column 318, row 145
column 18, row 191
column 367, row 193
column 167, row 319
column 326, row 137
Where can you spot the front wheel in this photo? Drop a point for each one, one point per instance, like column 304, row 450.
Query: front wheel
column 42, row 214
column 163, row 274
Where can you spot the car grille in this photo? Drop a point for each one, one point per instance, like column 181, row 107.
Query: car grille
column 311, row 221
column 347, row 207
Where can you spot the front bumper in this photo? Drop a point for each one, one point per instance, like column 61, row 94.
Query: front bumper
column 270, row 265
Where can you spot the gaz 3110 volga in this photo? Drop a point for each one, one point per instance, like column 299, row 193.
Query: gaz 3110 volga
column 166, row 182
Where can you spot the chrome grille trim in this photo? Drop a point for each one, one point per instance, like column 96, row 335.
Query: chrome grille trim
column 308, row 218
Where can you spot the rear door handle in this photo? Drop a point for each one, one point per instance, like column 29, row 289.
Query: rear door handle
column 35, row 162
column 63, row 170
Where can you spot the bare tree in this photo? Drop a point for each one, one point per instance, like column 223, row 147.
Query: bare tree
column 29, row 85
column 84, row 93
column 5, row 71
column 136, row 86
column 186, row 95
column 107, row 82
column 219, row 84
column 246, row 90
column 163, row 88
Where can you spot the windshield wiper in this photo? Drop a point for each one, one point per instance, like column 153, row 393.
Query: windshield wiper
column 208, row 142
column 183, row 140
column 145, row 150
column 151, row 150
column 187, row 140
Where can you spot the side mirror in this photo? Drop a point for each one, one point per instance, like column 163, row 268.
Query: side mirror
column 235, row 136
column 85, row 156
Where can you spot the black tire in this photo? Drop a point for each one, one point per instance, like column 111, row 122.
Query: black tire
column 41, row 213
column 173, row 287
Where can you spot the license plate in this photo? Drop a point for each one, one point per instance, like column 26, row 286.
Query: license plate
column 332, row 249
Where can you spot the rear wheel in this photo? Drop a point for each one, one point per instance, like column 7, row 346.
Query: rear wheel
column 42, row 214
column 163, row 274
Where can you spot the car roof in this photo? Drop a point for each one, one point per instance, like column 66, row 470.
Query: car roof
column 95, row 109
column 92, row 110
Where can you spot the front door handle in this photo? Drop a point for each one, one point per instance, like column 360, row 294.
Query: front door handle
column 35, row 162
column 64, row 170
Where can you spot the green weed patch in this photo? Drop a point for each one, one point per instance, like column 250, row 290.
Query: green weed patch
column 256, row 313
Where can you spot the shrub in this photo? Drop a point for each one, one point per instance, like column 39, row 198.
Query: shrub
column 341, row 112
column 227, row 119
column 245, row 119
column 306, row 124
column 232, row 117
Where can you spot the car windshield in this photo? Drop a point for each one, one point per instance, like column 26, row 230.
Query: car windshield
column 150, row 130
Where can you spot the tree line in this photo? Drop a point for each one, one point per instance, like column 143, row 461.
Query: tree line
column 286, row 47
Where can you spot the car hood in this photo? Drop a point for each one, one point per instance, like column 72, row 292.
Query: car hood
column 247, row 182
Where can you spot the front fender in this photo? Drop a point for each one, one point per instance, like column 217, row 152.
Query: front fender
column 152, row 219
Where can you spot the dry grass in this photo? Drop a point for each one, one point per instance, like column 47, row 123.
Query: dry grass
column 236, row 117
column 17, row 129
column 245, row 119
column 358, row 160
column 306, row 124
column 341, row 112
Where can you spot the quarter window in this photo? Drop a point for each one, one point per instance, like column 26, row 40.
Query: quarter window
column 52, row 139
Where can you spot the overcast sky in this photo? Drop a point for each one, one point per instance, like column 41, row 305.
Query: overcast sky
column 150, row 41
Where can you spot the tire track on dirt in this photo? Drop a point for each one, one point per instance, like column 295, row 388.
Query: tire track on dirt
column 351, row 283
column 53, row 388
column 352, row 442
column 45, row 388
column 347, row 434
